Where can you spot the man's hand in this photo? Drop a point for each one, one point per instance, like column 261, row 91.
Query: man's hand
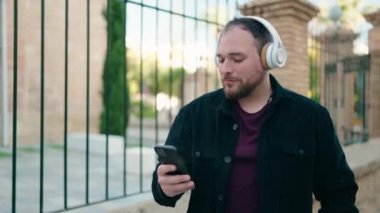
column 173, row 185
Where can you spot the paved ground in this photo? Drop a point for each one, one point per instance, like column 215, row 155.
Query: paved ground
column 28, row 173
column 364, row 157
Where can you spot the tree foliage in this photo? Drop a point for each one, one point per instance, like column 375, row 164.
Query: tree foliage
column 114, row 116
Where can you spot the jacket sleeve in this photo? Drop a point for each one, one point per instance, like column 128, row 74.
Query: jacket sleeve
column 174, row 138
column 334, row 181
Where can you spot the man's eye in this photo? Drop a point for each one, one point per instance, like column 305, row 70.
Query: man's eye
column 238, row 60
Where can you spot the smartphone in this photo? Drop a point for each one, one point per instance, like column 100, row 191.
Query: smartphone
column 167, row 154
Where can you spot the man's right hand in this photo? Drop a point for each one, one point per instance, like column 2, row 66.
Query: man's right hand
column 173, row 185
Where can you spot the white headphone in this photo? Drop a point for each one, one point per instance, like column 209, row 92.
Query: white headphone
column 273, row 54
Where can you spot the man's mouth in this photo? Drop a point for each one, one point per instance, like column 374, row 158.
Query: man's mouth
column 229, row 81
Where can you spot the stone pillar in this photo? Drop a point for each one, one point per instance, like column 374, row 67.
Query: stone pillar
column 339, row 44
column 290, row 18
column 374, row 79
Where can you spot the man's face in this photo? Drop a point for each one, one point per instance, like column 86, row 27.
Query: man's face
column 239, row 63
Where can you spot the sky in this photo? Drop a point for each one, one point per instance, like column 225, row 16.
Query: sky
column 331, row 2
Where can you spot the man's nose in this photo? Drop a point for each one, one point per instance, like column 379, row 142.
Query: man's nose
column 225, row 67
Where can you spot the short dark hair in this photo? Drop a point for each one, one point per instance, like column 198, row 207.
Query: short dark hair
column 257, row 29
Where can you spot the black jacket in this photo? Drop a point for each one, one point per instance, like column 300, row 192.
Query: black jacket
column 298, row 155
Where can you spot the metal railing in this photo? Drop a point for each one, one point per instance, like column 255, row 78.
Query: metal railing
column 193, row 23
column 169, row 61
column 345, row 82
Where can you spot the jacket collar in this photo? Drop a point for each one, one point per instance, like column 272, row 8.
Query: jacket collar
column 278, row 92
column 226, row 106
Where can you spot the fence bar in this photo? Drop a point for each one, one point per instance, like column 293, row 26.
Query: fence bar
column 14, row 131
column 125, row 96
column 216, row 69
column 66, row 101
column 196, row 51
column 108, row 72
column 183, row 55
column 171, row 61
column 156, row 84
column 364, row 125
column 207, row 46
column 87, row 101
column 42, row 105
column 141, row 97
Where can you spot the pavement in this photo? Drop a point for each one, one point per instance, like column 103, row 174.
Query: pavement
column 364, row 159
column 28, row 172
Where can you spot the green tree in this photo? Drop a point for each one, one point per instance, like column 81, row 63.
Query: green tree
column 113, row 118
column 163, row 79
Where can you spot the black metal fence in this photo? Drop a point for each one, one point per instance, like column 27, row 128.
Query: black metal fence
column 340, row 81
column 170, row 46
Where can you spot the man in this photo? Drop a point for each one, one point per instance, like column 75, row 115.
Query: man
column 255, row 146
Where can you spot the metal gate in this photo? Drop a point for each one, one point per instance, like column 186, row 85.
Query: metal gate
column 49, row 167
column 346, row 88
column 342, row 82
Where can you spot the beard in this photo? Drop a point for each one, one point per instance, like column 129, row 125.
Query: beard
column 238, row 91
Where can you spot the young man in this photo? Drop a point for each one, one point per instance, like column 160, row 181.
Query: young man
column 255, row 146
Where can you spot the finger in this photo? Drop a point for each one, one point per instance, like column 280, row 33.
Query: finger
column 167, row 179
column 163, row 169
column 173, row 190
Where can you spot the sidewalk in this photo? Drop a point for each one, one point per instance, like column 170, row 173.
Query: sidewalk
column 28, row 172
column 361, row 157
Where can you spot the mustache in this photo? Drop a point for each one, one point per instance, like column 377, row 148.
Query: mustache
column 230, row 78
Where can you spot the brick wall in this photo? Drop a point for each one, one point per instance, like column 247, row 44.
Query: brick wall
column 29, row 66
column 374, row 101
column 374, row 49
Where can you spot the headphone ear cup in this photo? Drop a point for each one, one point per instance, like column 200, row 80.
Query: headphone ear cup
column 273, row 54
column 264, row 56
column 280, row 57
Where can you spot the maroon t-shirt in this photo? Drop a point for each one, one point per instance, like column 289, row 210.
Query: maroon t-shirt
column 242, row 193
